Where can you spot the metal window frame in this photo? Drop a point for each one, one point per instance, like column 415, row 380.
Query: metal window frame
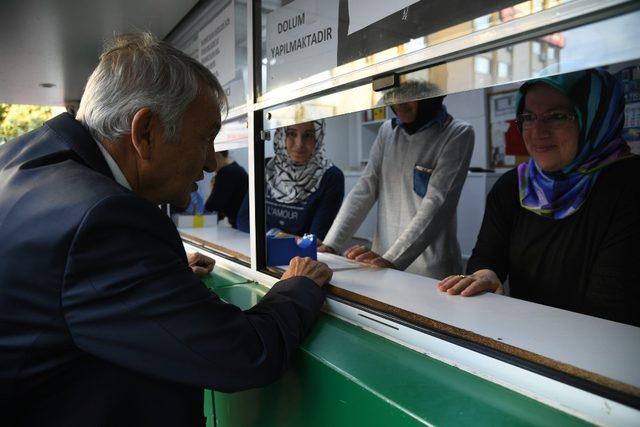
column 558, row 18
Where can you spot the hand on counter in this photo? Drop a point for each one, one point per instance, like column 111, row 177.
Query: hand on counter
column 201, row 265
column 321, row 247
column 367, row 256
column 317, row 271
column 480, row 281
column 324, row 248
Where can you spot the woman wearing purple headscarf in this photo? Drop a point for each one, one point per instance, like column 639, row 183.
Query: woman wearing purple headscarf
column 564, row 227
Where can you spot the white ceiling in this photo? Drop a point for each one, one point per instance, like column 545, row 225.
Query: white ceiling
column 59, row 41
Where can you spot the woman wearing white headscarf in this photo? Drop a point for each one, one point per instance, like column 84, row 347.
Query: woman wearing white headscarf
column 304, row 189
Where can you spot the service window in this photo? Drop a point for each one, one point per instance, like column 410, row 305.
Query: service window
column 307, row 41
column 407, row 172
column 215, row 33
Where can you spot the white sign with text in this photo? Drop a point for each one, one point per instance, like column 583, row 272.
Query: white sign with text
column 217, row 46
column 302, row 40
column 363, row 13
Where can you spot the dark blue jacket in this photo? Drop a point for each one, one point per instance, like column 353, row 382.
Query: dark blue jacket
column 230, row 188
column 102, row 321
column 314, row 215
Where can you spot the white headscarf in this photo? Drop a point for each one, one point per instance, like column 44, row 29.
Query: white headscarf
column 288, row 182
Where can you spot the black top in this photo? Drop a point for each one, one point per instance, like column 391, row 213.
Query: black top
column 314, row 215
column 102, row 322
column 588, row 262
column 229, row 189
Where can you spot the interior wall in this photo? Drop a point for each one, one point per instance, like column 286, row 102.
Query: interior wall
column 471, row 107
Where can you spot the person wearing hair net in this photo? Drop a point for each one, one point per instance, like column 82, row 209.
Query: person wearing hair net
column 304, row 189
column 416, row 170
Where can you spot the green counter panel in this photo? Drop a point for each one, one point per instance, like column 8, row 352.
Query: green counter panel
column 222, row 278
column 346, row 376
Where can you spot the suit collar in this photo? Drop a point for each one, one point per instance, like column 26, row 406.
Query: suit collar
column 80, row 141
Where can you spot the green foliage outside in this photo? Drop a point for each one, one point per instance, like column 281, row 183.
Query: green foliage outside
column 17, row 119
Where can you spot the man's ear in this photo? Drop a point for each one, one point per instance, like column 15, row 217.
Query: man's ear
column 142, row 133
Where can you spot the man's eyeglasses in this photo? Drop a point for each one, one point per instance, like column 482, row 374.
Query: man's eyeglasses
column 552, row 120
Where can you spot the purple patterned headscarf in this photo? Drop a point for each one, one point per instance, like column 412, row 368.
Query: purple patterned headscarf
column 599, row 105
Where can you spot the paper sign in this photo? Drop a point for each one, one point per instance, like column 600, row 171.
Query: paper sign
column 302, row 40
column 217, row 46
column 502, row 107
column 235, row 92
column 193, row 49
column 363, row 13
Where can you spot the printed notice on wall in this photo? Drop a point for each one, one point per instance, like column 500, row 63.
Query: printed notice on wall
column 193, row 48
column 363, row 13
column 302, row 40
column 217, row 46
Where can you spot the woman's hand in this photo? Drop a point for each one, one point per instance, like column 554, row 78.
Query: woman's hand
column 367, row 256
column 200, row 264
column 480, row 281
column 324, row 248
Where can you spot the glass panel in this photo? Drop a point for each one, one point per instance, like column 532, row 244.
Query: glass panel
column 412, row 182
column 482, row 65
column 323, row 39
column 233, row 134
column 573, row 50
column 312, row 166
column 399, row 207
column 211, row 217
column 216, row 35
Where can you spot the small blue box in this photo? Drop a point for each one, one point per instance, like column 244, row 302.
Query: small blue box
column 281, row 247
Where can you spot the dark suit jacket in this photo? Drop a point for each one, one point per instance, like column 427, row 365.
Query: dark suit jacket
column 102, row 321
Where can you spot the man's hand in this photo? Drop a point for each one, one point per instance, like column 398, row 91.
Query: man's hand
column 319, row 272
column 480, row 281
column 200, row 264
column 367, row 256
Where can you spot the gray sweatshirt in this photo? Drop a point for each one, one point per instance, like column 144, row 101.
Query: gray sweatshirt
column 416, row 232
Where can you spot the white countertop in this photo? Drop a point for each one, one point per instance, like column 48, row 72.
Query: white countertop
column 600, row 346
column 222, row 236
column 596, row 345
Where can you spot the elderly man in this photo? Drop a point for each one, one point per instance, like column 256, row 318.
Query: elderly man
column 102, row 320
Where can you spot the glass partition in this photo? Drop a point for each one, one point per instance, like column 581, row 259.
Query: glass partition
column 393, row 220
column 211, row 218
column 233, row 134
column 328, row 167
column 396, row 208
column 347, row 141
column 309, row 41
column 305, row 38
column 215, row 33
column 546, row 55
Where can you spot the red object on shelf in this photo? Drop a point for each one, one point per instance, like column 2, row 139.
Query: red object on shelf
column 514, row 144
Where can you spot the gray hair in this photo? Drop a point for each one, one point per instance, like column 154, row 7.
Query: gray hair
column 137, row 71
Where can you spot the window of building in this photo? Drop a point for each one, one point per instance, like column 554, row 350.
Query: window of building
column 482, row 65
